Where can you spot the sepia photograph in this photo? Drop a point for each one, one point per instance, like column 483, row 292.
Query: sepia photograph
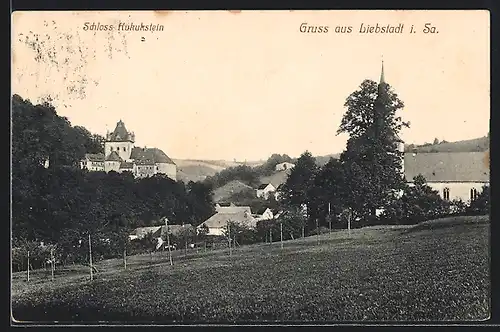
column 250, row 167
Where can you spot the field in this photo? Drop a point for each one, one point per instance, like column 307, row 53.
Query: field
column 435, row 271
column 471, row 145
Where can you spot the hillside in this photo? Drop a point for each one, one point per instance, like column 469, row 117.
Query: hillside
column 229, row 189
column 383, row 273
column 472, row 145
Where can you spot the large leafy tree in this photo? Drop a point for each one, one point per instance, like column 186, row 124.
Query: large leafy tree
column 295, row 192
column 327, row 192
column 372, row 161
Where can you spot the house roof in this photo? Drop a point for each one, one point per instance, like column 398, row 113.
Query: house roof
column 220, row 219
column 113, row 156
column 141, row 232
column 175, row 229
column 151, row 154
column 262, row 210
column 120, row 134
column 263, row 186
column 448, row 166
column 233, row 209
column 94, row 156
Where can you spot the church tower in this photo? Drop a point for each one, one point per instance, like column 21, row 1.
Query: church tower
column 400, row 143
column 120, row 141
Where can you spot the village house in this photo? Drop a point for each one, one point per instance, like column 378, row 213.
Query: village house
column 284, row 166
column 264, row 214
column 120, row 155
column 224, row 214
column 93, row 162
column 264, row 190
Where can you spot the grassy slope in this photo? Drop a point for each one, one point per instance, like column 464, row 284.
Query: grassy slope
column 230, row 188
column 378, row 273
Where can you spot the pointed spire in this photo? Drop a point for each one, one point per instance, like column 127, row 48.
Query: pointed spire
column 382, row 79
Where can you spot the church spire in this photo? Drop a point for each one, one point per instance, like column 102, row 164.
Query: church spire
column 382, row 79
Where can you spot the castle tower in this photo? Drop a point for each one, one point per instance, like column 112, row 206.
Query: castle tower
column 120, row 141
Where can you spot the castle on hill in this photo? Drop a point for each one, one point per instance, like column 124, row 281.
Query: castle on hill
column 120, row 155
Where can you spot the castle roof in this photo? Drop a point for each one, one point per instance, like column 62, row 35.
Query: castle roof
column 126, row 165
column 447, row 166
column 150, row 154
column 120, row 134
column 94, row 156
column 113, row 156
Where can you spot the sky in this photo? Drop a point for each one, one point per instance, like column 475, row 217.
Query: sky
column 223, row 85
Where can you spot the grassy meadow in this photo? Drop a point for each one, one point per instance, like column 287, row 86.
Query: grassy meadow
column 435, row 271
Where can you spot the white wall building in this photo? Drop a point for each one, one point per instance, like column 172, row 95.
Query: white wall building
column 284, row 166
column 264, row 190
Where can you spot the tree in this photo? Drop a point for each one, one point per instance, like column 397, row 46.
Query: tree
column 481, row 205
column 372, row 160
column 435, row 142
column 328, row 189
column 240, row 233
column 293, row 221
column 295, row 191
column 419, row 202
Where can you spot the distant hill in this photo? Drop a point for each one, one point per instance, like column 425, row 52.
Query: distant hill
column 198, row 170
column 472, row 145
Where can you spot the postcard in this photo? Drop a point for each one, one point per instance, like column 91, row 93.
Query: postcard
column 236, row 167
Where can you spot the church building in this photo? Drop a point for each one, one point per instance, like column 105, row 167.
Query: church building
column 121, row 155
column 455, row 175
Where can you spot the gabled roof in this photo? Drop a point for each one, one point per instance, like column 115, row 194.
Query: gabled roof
column 233, row 209
column 113, row 156
column 220, row 219
column 120, row 134
column 447, row 166
column 263, row 186
column 94, row 156
column 150, row 154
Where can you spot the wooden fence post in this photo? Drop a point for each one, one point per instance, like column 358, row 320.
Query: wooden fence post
column 90, row 260
column 28, row 266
